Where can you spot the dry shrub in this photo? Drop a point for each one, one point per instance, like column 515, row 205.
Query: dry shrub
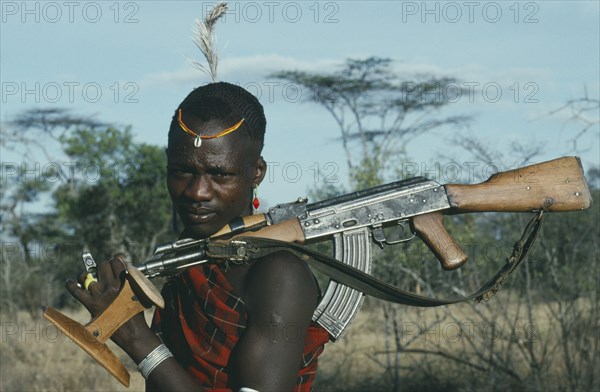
column 501, row 344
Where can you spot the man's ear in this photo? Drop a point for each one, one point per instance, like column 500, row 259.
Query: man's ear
column 261, row 171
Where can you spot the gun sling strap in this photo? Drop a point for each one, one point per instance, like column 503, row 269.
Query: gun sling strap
column 249, row 248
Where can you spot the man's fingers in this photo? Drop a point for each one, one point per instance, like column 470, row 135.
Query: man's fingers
column 105, row 273
column 96, row 293
column 111, row 270
column 89, row 280
column 81, row 278
column 85, row 280
column 118, row 266
column 77, row 291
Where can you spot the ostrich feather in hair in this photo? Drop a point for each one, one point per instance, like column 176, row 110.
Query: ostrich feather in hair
column 204, row 38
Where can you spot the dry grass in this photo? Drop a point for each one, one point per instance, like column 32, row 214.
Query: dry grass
column 34, row 356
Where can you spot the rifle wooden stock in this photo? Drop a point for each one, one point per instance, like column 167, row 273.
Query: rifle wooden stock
column 557, row 185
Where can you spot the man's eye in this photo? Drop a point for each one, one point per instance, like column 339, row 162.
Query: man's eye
column 222, row 174
column 179, row 172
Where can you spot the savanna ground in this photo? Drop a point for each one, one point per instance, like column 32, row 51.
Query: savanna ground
column 447, row 348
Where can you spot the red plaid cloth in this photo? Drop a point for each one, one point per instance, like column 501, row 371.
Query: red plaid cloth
column 203, row 320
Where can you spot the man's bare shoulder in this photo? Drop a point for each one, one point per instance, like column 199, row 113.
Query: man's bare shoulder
column 281, row 280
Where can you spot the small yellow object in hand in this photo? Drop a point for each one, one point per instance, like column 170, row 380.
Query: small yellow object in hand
column 89, row 278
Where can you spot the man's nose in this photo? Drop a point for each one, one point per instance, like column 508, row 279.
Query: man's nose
column 199, row 188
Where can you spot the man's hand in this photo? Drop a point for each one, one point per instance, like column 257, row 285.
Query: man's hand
column 102, row 292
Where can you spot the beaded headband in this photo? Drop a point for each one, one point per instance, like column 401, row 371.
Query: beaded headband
column 198, row 138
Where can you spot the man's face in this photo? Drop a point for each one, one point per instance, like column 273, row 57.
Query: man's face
column 212, row 184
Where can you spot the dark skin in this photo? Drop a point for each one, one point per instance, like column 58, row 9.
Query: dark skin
column 209, row 186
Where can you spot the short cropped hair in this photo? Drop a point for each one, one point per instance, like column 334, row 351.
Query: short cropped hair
column 226, row 102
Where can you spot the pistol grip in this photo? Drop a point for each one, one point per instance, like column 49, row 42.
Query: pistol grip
column 430, row 228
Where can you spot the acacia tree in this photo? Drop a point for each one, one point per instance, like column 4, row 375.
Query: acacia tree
column 378, row 112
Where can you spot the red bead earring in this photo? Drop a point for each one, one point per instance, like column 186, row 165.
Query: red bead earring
column 255, row 201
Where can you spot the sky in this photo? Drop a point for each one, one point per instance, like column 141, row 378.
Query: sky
column 128, row 63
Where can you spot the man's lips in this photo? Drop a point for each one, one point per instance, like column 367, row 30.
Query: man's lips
column 198, row 215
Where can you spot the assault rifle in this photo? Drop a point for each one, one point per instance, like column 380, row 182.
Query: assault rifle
column 353, row 221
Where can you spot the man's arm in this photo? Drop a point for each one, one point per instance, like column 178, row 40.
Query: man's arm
column 281, row 295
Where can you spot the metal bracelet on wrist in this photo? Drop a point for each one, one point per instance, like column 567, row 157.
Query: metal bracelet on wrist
column 152, row 360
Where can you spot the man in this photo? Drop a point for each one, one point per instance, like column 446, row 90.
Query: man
column 229, row 327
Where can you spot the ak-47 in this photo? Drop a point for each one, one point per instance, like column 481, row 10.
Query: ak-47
column 353, row 221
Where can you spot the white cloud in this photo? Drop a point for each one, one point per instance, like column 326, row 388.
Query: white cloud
column 265, row 64
column 237, row 69
column 242, row 69
column 182, row 76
